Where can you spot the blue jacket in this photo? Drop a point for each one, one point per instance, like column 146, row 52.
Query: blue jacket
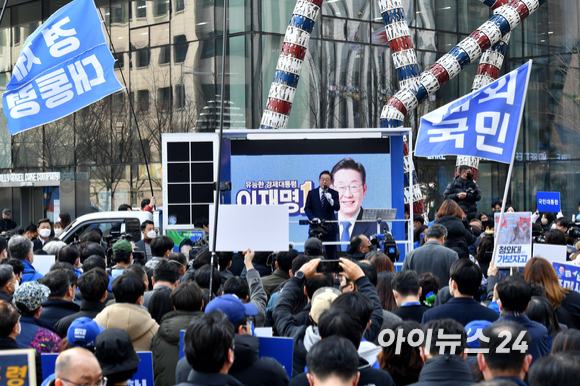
column 463, row 310
column 538, row 332
column 29, row 273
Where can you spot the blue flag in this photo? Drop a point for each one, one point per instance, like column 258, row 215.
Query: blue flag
column 483, row 124
column 64, row 66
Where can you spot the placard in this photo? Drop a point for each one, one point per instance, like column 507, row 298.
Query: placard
column 281, row 349
column 549, row 202
column 515, row 239
column 552, row 253
column 43, row 263
column 568, row 275
column 17, row 368
column 261, row 228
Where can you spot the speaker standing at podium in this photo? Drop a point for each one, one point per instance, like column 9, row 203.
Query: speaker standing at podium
column 322, row 203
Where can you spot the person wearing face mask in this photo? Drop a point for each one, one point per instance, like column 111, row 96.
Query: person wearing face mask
column 144, row 245
column 464, row 190
column 44, row 231
column 57, row 228
column 8, row 282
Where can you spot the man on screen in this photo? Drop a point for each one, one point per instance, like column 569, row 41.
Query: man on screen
column 321, row 203
column 349, row 179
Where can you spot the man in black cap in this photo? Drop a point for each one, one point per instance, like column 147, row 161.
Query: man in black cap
column 116, row 355
column 313, row 247
column 7, row 224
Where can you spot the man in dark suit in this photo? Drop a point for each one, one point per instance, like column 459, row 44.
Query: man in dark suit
column 465, row 277
column 321, row 203
column 349, row 179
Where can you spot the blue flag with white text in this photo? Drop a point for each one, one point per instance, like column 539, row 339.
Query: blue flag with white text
column 483, row 124
column 63, row 66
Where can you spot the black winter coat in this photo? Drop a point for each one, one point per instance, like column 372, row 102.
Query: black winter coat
column 445, row 370
column 459, row 237
column 459, row 185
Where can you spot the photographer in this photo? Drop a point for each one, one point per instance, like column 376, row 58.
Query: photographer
column 464, row 191
column 321, row 204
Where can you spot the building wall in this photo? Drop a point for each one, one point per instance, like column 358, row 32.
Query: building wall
column 170, row 55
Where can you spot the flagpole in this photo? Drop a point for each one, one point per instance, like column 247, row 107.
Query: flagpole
column 3, row 9
column 129, row 99
column 509, row 175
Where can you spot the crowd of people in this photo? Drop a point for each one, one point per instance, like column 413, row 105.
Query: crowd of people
column 446, row 318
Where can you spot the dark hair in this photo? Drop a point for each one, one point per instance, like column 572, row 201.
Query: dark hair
column 494, row 357
column 160, row 245
column 145, row 202
column 495, row 203
column 207, row 341
column 224, row 259
column 8, row 318
column 165, row 271
column 418, row 218
column 160, row 303
column 178, row 257
column 385, row 291
column 145, row 223
column 540, row 310
column 69, row 254
column 537, row 289
column 122, row 257
column 205, row 293
column 57, row 281
column 93, row 284
column 408, row 363
column 333, row 356
column 324, row 172
column 187, row 296
column 3, row 244
column 32, row 228
column 185, row 242
column 562, row 369
column 417, row 233
column 429, row 282
column 17, row 265
column 485, row 245
column 355, row 243
column 382, row 261
column 65, row 219
column 514, row 294
column 298, row 262
column 235, row 285
column 200, row 222
column 68, row 269
column 447, row 327
column 202, row 258
column 358, row 304
column 462, row 168
column 369, row 269
column 566, row 340
column 135, row 270
column 94, row 236
column 262, row 258
column 285, row 260
column 317, row 282
column 202, row 278
column 556, row 237
column 128, row 288
column 93, row 262
column 550, row 216
column 406, row 283
column 341, row 321
column 467, row 275
column 91, row 249
column 124, row 207
column 349, row 163
column 149, row 272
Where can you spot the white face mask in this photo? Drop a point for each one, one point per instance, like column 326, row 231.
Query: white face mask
column 16, row 285
column 44, row 233
column 57, row 231
column 19, row 329
column 151, row 235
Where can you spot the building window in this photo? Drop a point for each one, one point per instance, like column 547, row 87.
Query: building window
column 160, row 7
column 179, row 96
column 141, row 8
column 143, row 57
column 164, row 98
column 164, row 55
column 179, row 5
column 142, row 101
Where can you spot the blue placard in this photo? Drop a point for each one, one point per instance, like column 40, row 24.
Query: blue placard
column 143, row 376
column 17, row 368
column 281, row 349
column 568, row 275
column 181, row 346
column 549, row 202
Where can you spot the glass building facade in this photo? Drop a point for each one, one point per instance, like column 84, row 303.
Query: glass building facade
column 169, row 53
